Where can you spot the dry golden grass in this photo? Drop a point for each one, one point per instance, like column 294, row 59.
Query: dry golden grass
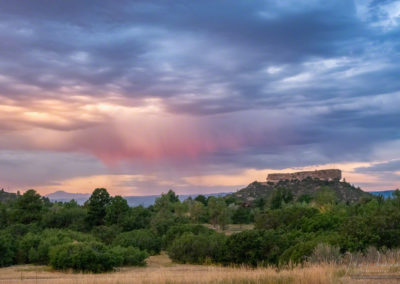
column 231, row 228
column 161, row 270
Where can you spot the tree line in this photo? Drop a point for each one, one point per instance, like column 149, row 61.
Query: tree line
column 106, row 233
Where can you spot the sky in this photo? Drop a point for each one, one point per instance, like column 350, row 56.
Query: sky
column 197, row 96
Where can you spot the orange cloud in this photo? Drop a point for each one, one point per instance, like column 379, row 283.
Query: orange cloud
column 115, row 184
column 112, row 129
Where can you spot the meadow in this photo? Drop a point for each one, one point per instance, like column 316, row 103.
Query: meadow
column 160, row 269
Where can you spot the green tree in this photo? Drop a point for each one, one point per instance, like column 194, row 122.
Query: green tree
column 260, row 203
column 106, row 234
column 325, row 198
column 128, row 256
column 96, row 205
column 181, row 208
column 27, row 248
column 162, row 221
column 254, row 247
column 198, row 212
column 142, row 239
column 242, row 215
column 281, row 196
column 116, row 210
column 166, row 201
column 219, row 213
column 190, row 248
column 28, row 207
column 136, row 218
column 202, row 199
column 7, row 249
column 68, row 215
column 4, row 218
column 178, row 230
column 86, row 256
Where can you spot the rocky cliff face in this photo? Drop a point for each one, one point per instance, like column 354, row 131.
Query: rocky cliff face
column 327, row 175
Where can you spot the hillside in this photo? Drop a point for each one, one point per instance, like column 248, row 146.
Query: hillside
column 344, row 191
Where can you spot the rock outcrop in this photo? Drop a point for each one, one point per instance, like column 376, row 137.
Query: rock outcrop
column 327, row 175
column 300, row 184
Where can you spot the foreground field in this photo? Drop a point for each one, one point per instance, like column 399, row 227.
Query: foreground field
column 161, row 270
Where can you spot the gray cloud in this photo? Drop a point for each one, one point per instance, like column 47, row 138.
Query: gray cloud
column 304, row 83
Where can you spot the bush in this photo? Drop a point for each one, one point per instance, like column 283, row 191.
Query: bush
column 86, row 257
column 136, row 218
column 69, row 215
column 242, row 215
column 290, row 217
column 325, row 253
column 27, row 248
column 178, row 230
column 39, row 251
column 7, row 249
column 254, row 247
column 142, row 239
column 162, row 221
column 129, row 256
column 106, row 234
column 298, row 252
column 190, row 248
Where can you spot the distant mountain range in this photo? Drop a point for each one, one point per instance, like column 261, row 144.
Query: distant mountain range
column 58, row 195
column 384, row 193
column 147, row 200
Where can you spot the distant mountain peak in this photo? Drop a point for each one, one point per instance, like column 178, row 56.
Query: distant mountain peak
column 61, row 194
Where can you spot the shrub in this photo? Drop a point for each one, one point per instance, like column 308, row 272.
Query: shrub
column 106, row 234
column 290, row 217
column 27, row 248
column 254, row 247
column 129, row 256
column 7, row 249
column 142, row 239
column 85, row 256
column 242, row 215
column 136, row 218
column 53, row 237
column 69, row 215
column 190, row 248
column 163, row 220
column 298, row 252
column 178, row 230
column 325, row 253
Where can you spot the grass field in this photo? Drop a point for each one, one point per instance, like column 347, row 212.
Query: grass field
column 232, row 228
column 161, row 270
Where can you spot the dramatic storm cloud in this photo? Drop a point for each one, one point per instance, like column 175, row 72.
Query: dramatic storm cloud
column 198, row 96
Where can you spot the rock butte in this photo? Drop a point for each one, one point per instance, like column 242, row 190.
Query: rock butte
column 330, row 174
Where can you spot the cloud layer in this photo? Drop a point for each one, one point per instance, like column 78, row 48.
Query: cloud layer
column 168, row 93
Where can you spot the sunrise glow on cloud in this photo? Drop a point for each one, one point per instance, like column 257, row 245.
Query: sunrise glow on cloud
column 200, row 96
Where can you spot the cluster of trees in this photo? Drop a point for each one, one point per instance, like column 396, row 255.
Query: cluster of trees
column 106, row 233
column 102, row 234
column 289, row 231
